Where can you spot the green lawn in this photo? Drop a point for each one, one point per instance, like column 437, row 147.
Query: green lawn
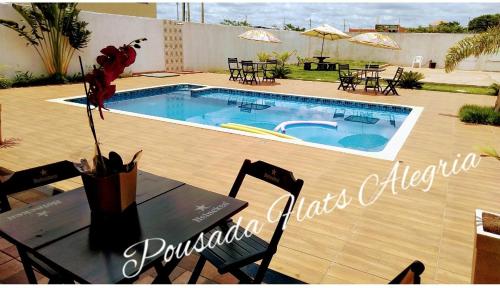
column 468, row 89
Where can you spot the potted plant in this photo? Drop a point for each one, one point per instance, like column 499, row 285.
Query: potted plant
column 109, row 184
column 486, row 260
column 432, row 64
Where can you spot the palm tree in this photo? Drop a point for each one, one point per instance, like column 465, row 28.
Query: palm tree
column 480, row 44
column 53, row 30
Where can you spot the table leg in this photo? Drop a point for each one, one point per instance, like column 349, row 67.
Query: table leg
column 164, row 272
column 30, row 274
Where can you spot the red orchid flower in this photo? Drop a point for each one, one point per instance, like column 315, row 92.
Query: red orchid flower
column 113, row 62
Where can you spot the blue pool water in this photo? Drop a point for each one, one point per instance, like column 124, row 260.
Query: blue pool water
column 360, row 126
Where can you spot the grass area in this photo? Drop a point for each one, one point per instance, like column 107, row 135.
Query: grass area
column 298, row 73
column 454, row 88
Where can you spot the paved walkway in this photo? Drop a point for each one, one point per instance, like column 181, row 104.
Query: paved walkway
column 354, row 245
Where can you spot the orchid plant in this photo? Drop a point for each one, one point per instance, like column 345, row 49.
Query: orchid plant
column 112, row 62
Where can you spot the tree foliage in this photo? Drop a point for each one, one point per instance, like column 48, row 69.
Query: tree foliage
column 291, row 27
column 445, row 27
column 483, row 22
column 53, row 30
column 235, row 23
column 484, row 43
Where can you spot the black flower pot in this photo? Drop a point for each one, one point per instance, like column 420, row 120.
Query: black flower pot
column 111, row 195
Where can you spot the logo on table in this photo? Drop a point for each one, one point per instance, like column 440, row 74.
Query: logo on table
column 44, row 177
column 272, row 176
column 39, row 211
column 201, row 208
column 207, row 211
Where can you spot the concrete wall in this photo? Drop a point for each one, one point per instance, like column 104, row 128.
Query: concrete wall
column 106, row 29
column 207, row 47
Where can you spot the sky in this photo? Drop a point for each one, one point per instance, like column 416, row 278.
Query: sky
column 356, row 15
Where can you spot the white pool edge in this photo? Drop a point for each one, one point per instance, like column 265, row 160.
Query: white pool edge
column 389, row 153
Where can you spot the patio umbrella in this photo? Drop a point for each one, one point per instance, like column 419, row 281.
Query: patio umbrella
column 260, row 35
column 326, row 32
column 375, row 40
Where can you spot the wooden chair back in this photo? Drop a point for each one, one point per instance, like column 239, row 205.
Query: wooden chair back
column 247, row 66
column 233, row 63
column 35, row 177
column 276, row 176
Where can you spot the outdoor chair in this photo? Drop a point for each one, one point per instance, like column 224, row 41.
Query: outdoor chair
column 235, row 256
column 346, row 78
column 417, row 60
column 411, row 275
column 249, row 72
column 234, row 69
column 372, row 79
column 392, row 83
column 30, row 179
column 269, row 70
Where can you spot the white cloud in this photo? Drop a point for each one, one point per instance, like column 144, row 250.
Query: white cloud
column 355, row 14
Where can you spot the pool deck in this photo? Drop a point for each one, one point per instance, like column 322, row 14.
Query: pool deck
column 354, row 245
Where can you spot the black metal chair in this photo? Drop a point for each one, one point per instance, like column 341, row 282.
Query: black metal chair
column 411, row 275
column 347, row 78
column 234, row 69
column 233, row 257
column 392, row 83
column 29, row 179
column 372, row 79
column 269, row 70
column 249, row 72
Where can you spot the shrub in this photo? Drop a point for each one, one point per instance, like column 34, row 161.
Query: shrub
column 411, row 80
column 23, row 79
column 479, row 115
column 26, row 79
column 5, row 83
column 263, row 56
column 283, row 57
column 282, row 72
column 495, row 87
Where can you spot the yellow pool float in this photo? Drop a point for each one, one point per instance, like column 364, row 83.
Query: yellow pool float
column 256, row 130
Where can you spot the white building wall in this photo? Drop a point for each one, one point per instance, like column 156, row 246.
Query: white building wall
column 207, row 47
column 106, row 30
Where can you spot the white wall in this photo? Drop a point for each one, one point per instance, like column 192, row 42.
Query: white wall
column 106, row 30
column 207, row 47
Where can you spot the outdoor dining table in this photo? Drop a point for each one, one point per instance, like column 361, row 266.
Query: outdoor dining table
column 321, row 59
column 58, row 230
column 258, row 65
column 374, row 74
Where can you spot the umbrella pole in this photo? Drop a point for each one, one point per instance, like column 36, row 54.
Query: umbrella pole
column 322, row 44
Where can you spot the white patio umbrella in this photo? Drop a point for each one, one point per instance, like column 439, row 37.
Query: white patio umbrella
column 375, row 40
column 326, row 31
column 260, row 35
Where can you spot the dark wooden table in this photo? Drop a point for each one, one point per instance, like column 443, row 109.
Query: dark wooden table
column 321, row 59
column 372, row 81
column 57, row 230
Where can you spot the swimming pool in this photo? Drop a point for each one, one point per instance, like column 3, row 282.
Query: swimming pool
column 370, row 129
